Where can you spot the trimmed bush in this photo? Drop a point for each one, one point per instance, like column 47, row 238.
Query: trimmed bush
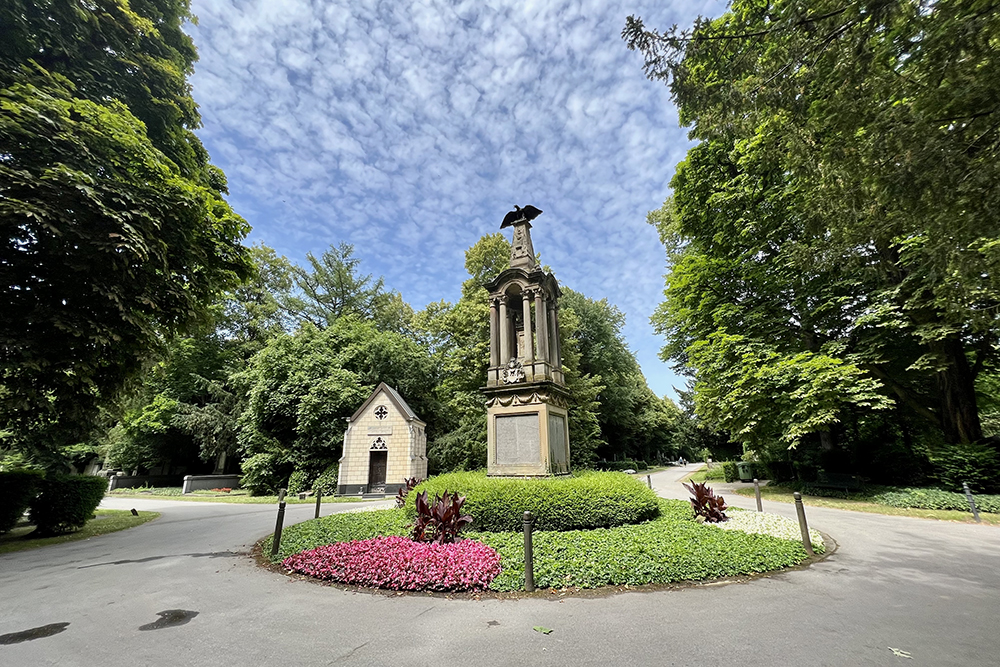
column 326, row 483
column 589, row 500
column 17, row 489
column 66, row 502
column 400, row 564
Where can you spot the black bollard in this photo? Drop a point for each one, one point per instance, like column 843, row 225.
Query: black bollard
column 319, row 499
column 649, row 480
column 756, row 492
column 972, row 501
column 801, row 511
column 529, row 556
column 276, row 542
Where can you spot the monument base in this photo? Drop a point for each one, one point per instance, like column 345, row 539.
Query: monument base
column 527, row 430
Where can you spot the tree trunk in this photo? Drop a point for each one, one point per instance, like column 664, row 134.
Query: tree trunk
column 957, row 391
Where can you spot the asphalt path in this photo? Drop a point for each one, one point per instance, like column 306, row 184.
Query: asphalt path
column 181, row 590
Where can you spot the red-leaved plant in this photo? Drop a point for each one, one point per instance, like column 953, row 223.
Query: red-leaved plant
column 405, row 491
column 706, row 504
column 441, row 520
column 400, row 564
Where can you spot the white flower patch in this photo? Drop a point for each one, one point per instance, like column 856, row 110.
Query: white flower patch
column 775, row 525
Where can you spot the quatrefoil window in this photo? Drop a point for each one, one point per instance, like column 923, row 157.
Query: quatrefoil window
column 381, row 413
column 379, row 443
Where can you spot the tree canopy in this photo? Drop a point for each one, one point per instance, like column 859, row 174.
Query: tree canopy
column 833, row 237
column 117, row 233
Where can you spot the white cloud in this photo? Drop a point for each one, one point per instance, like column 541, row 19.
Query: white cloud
column 410, row 129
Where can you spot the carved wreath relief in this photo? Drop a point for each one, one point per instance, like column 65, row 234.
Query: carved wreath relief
column 514, row 372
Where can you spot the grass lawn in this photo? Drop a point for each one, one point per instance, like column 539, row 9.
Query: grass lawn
column 104, row 522
column 785, row 495
column 671, row 548
column 239, row 496
column 704, row 474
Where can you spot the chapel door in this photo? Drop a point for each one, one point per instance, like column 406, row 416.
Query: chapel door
column 376, row 471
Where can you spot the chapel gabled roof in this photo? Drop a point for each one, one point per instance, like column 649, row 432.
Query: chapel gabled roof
column 396, row 400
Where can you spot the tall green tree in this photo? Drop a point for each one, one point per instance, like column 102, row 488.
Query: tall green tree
column 331, row 288
column 839, row 210
column 116, row 232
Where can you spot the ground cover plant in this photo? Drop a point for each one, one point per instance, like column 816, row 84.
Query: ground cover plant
column 913, row 497
column 671, row 547
column 582, row 501
column 400, row 564
column 924, row 503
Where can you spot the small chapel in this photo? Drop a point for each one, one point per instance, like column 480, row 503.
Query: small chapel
column 385, row 443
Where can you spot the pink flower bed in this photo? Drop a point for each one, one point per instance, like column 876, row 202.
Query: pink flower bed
column 401, row 564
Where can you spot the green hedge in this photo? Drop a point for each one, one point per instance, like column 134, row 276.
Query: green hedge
column 588, row 500
column 326, row 483
column 17, row 489
column 66, row 502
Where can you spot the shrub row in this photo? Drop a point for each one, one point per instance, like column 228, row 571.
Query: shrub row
column 56, row 503
column 17, row 489
column 400, row 564
column 589, row 500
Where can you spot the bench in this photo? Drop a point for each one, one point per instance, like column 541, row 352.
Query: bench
column 837, row 480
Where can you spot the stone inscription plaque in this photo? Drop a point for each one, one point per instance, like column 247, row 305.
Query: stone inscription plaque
column 517, row 439
column 557, row 442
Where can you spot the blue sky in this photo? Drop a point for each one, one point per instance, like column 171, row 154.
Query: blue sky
column 410, row 128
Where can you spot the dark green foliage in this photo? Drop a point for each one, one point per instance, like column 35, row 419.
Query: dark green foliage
column 116, row 231
column 705, row 503
column 440, row 520
column 672, row 547
column 66, row 502
column 976, row 464
column 17, row 489
column 326, row 483
column 589, row 500
column 299, row 481
column 832, row 235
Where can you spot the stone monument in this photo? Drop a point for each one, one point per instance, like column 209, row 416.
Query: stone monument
column 526, row 396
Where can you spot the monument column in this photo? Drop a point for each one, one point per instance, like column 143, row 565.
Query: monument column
column 504, row 332
column 554, row 327
column 541, row 316
column 494, row 352
column 529, row 343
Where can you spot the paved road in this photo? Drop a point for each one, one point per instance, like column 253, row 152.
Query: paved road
column 929, row 588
